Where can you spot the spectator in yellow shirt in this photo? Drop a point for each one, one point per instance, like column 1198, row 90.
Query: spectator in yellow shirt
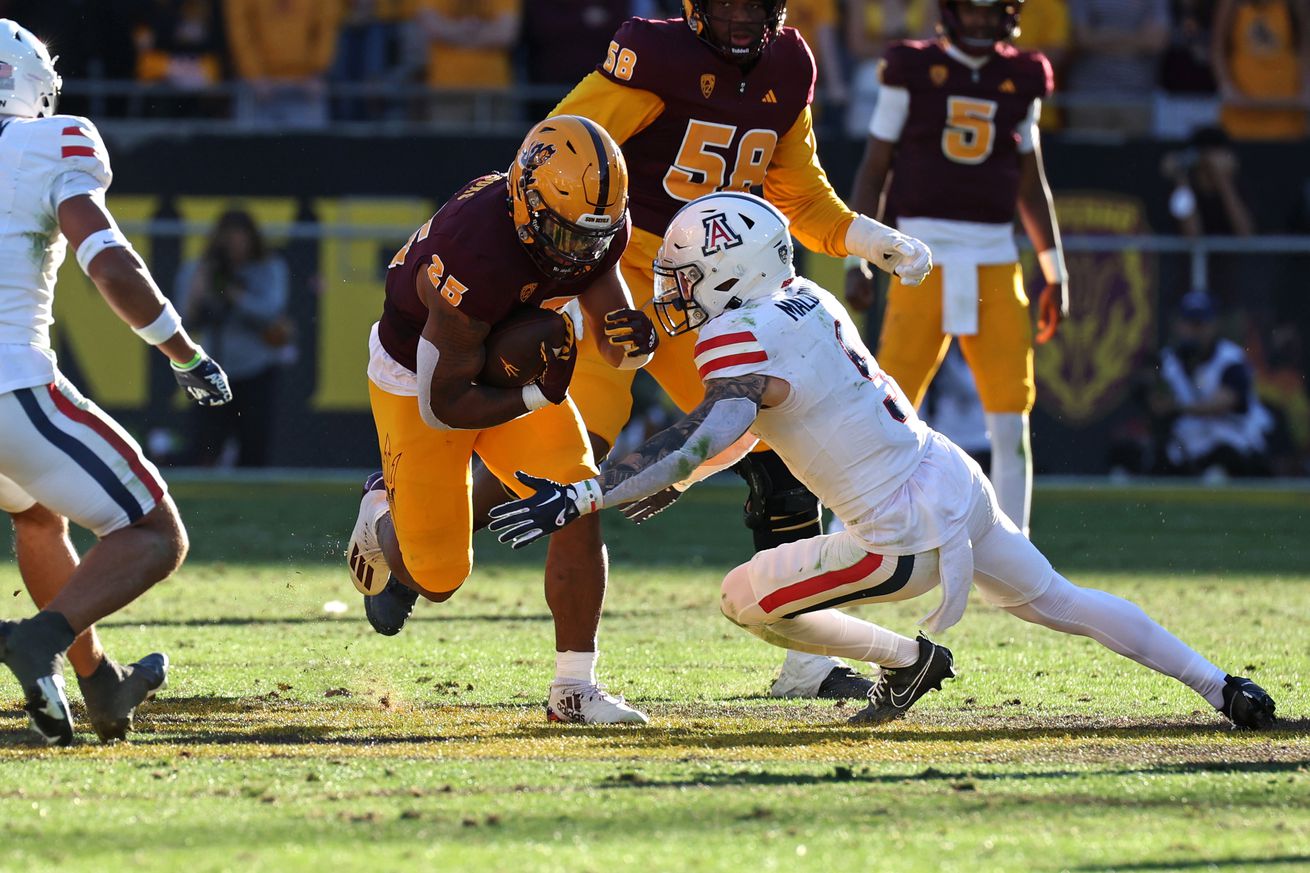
column 282, row 50
column 469, row 46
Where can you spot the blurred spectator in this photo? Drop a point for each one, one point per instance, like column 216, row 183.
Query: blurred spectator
column 1280, row 382
column 1206, row 400
column 469, row 46
column 1044, row 27
column 870, row 26
column 281, row 50
column 817, row 22
column 235, row 298
column 1261, row 52
column 1187, row 101
column 564, row 40
column 1205, row 199
column 369, row 52
column 1116, row 46
column 180, row 43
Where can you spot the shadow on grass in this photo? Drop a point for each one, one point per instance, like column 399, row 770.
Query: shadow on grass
column 961, row 780
column 433, row 618
column 1199, row 864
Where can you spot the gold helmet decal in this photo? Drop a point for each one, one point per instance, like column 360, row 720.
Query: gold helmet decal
column 568, row 194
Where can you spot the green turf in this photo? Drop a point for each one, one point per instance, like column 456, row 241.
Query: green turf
column 290, row 740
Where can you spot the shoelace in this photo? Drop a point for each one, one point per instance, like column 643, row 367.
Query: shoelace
column 881, row 688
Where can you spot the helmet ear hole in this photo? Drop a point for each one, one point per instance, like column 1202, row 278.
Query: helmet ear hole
column 726, row 285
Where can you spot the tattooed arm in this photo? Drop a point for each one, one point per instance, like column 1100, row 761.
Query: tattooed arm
column 673, row 455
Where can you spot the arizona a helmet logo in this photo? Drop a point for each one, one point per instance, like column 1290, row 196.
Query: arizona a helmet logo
column 718, row 234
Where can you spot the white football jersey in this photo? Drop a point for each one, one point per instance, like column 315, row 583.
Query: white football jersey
column 846, row 429
column 43, row 162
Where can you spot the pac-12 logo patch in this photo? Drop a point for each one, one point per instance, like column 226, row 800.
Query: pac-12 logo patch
column 706, row 85
column 719, row 235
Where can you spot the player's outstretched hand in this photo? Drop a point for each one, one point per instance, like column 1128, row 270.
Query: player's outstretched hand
column 633, row 331
column 522, row 522
column 648, row 507
column 1052, row 308
column 204, row 380
column 554, row 382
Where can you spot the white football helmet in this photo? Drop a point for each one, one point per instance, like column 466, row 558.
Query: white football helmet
column 29, row 85
column 719, row 251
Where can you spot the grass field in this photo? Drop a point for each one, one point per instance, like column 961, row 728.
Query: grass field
column 292, row 740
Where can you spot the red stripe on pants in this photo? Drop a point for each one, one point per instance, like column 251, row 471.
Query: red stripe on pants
column 109, row 435
column 807, row 588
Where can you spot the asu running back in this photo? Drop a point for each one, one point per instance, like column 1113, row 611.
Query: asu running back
column 719, row 100
column 956, row 128
column 548, row 231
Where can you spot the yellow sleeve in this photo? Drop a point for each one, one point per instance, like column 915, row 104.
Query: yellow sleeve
column 622, row 111
column 323, row 46
column 797, row 185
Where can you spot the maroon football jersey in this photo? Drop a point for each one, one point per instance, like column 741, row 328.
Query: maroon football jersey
column 958, row 155
column 474, row 259
column 719, row 126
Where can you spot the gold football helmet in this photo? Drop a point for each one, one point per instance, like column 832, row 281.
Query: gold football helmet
column 568, row 191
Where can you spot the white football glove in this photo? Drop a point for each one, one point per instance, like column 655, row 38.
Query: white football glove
column 889, row 249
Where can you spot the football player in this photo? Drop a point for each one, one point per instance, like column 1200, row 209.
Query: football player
column 720, row 100
column 550, row 230
column 61, row 457
column 955, row 130
column 783, row 361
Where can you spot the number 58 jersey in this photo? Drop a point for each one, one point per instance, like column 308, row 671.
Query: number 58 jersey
column 845, row 429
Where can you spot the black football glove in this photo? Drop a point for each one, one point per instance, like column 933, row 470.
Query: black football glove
column 648, row 507
column 632, row 331
column 204, row 380
column 521, row 522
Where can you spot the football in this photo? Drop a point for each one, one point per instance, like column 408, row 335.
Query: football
column 515, row 347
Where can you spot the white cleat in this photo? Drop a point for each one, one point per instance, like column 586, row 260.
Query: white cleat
column 368, row 566
column 583, row 703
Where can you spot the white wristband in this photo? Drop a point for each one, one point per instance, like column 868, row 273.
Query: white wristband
column 110, row 237
column 533, row 399
column 870, row 239
column 1052, row 261
column 162, row 328
column 589, row 497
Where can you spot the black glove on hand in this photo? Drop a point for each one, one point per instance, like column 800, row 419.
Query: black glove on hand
column 632, row 330
column 204, row 380
column 521, row 522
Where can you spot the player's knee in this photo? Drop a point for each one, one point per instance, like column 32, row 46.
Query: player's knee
column 738, row 601
column 779, row 508
column 167, row 535
column 436, row 577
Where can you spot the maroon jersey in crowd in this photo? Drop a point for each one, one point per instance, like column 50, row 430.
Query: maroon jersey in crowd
column 958, row 155
column 473, row 257
column 719, row 126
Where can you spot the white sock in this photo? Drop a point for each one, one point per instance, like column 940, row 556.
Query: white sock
column 834, row 633
column 1123, row 627
column 1012, row 465
column 575, row 668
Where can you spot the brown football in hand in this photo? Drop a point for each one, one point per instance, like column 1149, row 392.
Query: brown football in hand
column 514, row 347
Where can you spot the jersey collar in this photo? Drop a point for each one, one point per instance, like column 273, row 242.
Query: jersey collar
column 973, row 62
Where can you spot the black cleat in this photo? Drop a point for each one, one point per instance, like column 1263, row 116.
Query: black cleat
column 112, row 693
column 388, row 610
column 898, row 688
column 34, row 650
column 1246, row 704
column 843, row 683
